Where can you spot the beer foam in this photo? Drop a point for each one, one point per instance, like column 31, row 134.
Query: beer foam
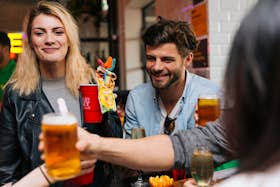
column 208, row 96
column 57, row 119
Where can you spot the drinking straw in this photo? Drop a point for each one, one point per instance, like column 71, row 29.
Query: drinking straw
column 62, row 106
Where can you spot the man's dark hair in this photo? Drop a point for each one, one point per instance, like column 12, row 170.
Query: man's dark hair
column 169, row 31
column 4, row 39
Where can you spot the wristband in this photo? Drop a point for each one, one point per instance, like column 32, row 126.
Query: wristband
column 45, row 176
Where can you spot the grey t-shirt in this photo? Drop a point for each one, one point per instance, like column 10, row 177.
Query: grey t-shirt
column 213, row 136
column 55, row 89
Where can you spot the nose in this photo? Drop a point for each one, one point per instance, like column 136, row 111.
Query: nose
column 49, row 38
column 157, row 65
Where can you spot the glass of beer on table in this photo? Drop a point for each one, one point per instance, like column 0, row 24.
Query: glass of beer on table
column 202, row 166
column 208, row 108
column 60, row 136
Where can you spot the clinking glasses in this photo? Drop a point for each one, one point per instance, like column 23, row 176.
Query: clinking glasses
column 169, row 125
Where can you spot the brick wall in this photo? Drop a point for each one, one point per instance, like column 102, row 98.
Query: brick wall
column 224, row 19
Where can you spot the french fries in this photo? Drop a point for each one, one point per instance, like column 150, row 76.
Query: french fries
column 162, row 181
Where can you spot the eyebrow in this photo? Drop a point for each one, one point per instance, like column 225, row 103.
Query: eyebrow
column 168, row 58
column 162, row 58
column 40, row 28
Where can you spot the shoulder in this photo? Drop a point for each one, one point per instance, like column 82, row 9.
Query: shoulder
column 142, row 90
column 14, row 94
column 201, row 82
column 9, row 90
column 142, row 96
column 10, row 96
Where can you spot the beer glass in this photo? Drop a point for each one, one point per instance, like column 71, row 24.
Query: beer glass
column 208, row 108
column 60, row 136
column 202, row 167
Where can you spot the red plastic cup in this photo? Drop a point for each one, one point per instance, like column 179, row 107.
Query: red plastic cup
column 90, row 107
column 81, row 180
column 178, row 174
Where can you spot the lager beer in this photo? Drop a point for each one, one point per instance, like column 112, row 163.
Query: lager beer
column 60, row 136
column 202, row 166
column 208, row 109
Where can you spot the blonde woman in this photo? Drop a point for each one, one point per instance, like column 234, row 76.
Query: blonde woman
column 51, row 66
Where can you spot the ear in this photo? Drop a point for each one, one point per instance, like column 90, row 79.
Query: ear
column 188, row 59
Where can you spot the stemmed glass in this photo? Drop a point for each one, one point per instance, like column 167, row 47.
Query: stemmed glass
column 137, row 133
column 202, row 167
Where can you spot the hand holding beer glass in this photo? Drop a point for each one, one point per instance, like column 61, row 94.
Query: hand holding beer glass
column 208, row 108
column 60, row 136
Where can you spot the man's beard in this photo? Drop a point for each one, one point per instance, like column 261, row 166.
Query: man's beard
column 168, row 84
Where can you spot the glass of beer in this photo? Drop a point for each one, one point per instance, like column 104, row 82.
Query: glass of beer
column 202, row 166
column 60, row 136
column 208, row 108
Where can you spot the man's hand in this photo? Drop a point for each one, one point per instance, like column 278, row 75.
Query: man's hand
column 87, row 144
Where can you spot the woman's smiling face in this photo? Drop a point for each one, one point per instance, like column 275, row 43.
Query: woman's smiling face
column 49, row 39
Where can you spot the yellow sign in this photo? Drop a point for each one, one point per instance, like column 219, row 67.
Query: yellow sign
column 16, row 42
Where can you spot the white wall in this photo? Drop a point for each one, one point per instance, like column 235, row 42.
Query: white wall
column 224, row 20
column 134, row 74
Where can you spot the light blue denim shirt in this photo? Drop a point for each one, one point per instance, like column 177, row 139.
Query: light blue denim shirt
column 143, row 108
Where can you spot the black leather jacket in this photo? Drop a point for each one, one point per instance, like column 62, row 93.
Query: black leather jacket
column 20, row 126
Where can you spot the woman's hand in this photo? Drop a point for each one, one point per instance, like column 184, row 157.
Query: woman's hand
column 190, row 183
column 87, row 166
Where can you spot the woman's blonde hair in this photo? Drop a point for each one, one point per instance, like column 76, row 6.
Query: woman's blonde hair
column 26, row 77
